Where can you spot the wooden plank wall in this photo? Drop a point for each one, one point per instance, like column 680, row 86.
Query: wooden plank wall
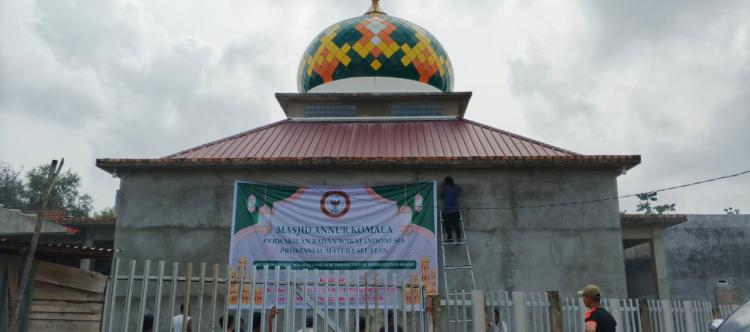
column 64, row 298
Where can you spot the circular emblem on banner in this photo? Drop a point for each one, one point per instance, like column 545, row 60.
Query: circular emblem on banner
column 335, row 204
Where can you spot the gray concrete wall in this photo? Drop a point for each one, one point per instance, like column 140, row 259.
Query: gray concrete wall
column 706, row 249
column 13, row 222
column 185, row 216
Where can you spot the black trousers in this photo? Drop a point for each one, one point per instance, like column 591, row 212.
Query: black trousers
column 451, row 222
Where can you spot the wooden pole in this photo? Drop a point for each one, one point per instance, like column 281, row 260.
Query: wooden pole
column 479, row 317
column 645, row 313
column 437, row 314
column 555, row 311
column 54, row 171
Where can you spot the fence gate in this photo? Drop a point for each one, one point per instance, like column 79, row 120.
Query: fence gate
column 328, row 300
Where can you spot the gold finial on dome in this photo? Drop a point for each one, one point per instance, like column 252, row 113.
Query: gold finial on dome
column 375, row 8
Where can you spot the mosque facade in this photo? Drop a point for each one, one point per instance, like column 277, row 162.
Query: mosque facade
column 375, row 106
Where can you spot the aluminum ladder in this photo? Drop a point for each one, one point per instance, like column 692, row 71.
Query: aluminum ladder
column 452, row 297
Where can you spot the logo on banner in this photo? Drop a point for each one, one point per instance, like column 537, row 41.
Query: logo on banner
column 335, row 204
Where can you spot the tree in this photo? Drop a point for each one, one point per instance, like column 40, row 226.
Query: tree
column 106, row 213
column 645, row 204
column 11, row 187
column 53, row 171
column 731, row 210
column 27, row 195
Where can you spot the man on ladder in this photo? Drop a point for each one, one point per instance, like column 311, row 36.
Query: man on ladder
column 451, row 210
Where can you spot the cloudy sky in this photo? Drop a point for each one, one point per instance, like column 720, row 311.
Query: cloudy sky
column 668, row 79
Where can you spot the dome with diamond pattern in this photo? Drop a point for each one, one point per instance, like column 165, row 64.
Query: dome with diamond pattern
column 377, row 47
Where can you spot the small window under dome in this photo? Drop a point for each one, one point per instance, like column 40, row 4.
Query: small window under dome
column 330, row 111
column 431, row 109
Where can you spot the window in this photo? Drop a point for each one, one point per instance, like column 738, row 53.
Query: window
column 330, row 111
column 415, row 110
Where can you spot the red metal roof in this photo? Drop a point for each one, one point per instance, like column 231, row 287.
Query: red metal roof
column 450, row 139
column 374, row 143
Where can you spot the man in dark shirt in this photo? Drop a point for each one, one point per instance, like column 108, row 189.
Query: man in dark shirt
column 597, row 318
column 451, row 210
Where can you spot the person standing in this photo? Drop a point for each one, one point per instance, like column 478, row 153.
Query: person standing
column 308, row 325
column 497, row 324
column 148, row 323
column 597, row 318
column 177, row 321
column 451, row 210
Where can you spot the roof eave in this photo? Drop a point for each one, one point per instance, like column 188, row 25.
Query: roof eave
column 661, row 220
column 623, row 162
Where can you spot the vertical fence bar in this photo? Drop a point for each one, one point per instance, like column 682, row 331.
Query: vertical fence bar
column 424, row 304
column 251, row 311
column 396, row 295
column 113, row 297
column 315, row 284
column 276, row 302
column 385, row 303
column 457, row 306
column 129, row 294
column 689, row 317
column 464, row 305
column 289, row 307
column 240, row 291
column 519, row 312
column 666, row 307
column 404, row 302
column 144, row 292
column 347, row 293
column 367, row 302
column 326, row 294
column 614, row 308
column 477, row 300
column 227, row 297
column 413, row 305
column 173, row 294
column 265, row 292
column 376, row 289
column 200, row 295
column 356, row 302
column 337, row 301
column 214, row 294
column 189, row 280
column 448, row 309
column 159, row 286
column 304, row 296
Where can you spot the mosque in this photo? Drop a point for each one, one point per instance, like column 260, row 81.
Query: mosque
column 375, row 106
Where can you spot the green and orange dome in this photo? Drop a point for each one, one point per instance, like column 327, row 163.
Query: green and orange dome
column 375, row 45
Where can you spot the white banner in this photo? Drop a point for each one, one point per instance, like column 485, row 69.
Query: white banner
column 389, row 230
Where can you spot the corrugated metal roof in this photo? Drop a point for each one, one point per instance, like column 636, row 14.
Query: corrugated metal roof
column 20, row 246
column 428, row 139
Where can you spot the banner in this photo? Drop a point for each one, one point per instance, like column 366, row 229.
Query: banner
column 389, row 230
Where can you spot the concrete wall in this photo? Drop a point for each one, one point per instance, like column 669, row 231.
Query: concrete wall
column 185, row 216
column 706, row 249
column 13, row 222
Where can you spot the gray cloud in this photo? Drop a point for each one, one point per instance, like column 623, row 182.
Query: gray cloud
column 131, row 78
column 666, row 80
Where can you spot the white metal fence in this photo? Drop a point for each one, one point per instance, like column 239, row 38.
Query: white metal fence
column 359, row 301
column 331, row 300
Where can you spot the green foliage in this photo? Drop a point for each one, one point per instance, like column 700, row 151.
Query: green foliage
column 105, row 213
column 11, row 185
column 645, row 204
column 731, row 210
column 27, row 195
